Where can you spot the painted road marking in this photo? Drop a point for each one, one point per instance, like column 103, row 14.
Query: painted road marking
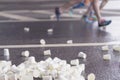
column 59, row 45
column 40, row 20
column 14, row 16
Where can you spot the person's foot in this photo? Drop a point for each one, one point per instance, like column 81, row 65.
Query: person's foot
column 87, row 19
column 57, row 13
column 104, row 23
column 84, row 17
column 93, row 18
column 71, row 12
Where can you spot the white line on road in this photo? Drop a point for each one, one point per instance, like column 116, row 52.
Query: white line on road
column 13, row 16
column 59, row 45
column 28, row 0
column 42, row 11
column 40, row 20
column 110, row 12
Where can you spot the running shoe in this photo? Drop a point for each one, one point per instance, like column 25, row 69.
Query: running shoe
column 87, row 19
column 104, row 23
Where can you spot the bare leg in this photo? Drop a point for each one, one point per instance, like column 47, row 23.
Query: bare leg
column 94, row 4
column 97, row 10
column 90, row 8
column 97, row 13
column 59, row 10
column 67, row 5
column 103, row 3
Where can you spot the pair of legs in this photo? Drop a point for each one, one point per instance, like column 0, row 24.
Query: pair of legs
column 94, row 4
column 103, row 3
column 67, row 6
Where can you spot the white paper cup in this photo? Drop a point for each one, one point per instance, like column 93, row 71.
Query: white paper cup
column 6, row 52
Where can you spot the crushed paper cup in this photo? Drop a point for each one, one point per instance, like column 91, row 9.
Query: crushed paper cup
column 32, row 59
column 47, row 53
column 91, row 76
column 116, row 48
column 82, row 55
column 46, row 77
column 14, row 69
column 50, row 30
column 26, row 29
column 48, row 60
column 54, row 73
column 105, row 48
column 21, row 66
column 5, row 69
column 69, row 41
column 77, row 77
column 6, row 52
column 42, row 41
column 26, row 77
column 12, row 76
column 57, row 60
column 63, row 62
column 61, row 77
column 82, row 67
column 74, row 62
column 107, row 57
column 5, row 65
column 3, row 77
column 36, row 73
column 25, row 53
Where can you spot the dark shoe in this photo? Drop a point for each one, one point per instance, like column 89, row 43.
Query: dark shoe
column 104, row 23
column 57, row 13
column 84, row 16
